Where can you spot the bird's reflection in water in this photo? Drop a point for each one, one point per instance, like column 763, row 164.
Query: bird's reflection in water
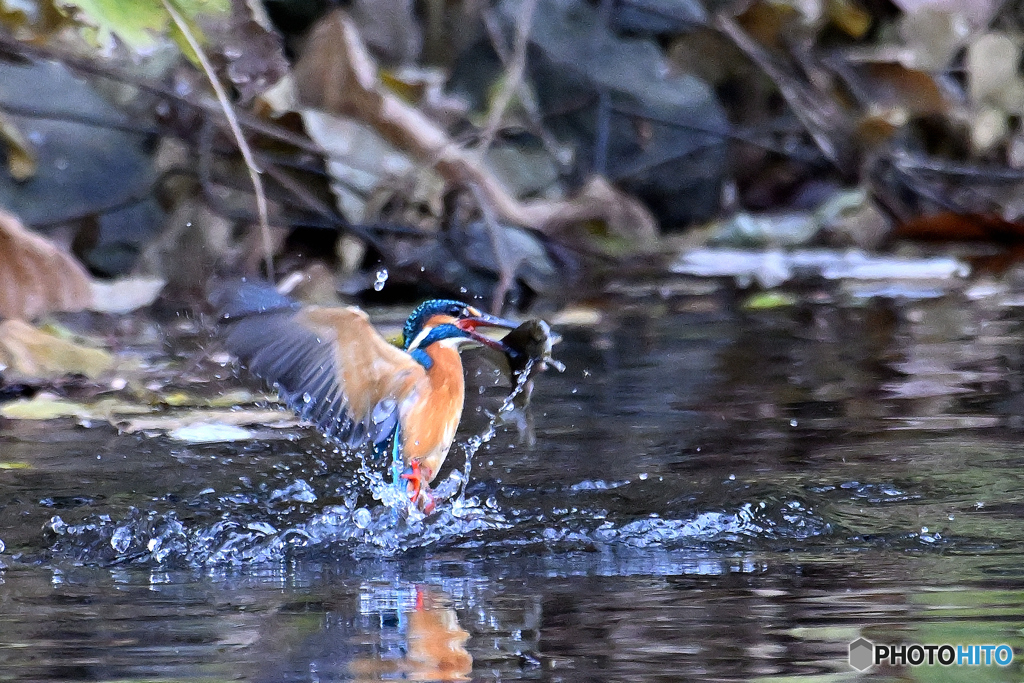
column 432, row 644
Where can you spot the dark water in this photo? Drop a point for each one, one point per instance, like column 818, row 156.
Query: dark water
column 714, row 493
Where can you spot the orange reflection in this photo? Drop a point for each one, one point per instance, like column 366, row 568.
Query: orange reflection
column 435, row 645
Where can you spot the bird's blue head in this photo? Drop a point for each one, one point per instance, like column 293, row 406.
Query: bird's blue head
column 436, row 313
column 417, row 320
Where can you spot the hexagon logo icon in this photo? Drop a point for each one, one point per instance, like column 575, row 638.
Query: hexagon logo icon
column 862, row 654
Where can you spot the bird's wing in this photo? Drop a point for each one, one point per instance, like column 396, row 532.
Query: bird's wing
column 331, row 366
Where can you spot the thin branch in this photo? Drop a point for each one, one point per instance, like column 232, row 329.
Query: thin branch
column 72, row 117
column 513, row 76
column 499, row 246
column 243, row 144
column 825, row 122
column 525, row 94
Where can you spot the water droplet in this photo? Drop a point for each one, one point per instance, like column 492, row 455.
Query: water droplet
column 732, row 477
column 2, row 546
column 643, row 476
column 574, row 390
column 382, row 278
column 793, row 423
column 361, row 518
column 586, row 372
column 121, row 539
column 57, row 525
column 463, row 290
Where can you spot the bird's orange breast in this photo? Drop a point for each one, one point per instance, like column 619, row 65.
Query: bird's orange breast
column 428, row 426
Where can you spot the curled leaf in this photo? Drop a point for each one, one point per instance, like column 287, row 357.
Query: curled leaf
column 33, row 353
column 36, row 276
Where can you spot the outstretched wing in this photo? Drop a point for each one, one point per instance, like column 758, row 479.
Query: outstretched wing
column 331, row 366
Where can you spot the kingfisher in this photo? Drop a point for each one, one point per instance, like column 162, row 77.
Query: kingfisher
column 333, row 368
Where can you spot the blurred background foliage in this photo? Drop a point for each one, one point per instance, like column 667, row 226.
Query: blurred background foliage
column 514, row 151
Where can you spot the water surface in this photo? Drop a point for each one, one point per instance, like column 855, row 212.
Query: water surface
column 713, row 492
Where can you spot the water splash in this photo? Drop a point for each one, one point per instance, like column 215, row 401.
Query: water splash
column 298, row 519
column 466, row 523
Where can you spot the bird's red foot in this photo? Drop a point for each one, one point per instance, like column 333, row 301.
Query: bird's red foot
column 419, row 492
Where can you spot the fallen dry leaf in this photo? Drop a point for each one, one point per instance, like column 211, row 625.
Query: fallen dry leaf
column 126, row 294
column 32, row 353
column 170, row 422
column 337, row 73
column 46, row 406
column 36, row 276
column 207, row 432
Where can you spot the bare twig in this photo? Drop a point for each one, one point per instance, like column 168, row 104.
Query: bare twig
column 243, row 144
column 825, row 122
column 506, row 267
column 408, row 128
column 74, row 117
column 513, row 75
column 525, row 95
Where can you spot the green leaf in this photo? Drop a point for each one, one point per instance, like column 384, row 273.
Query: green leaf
column 139, row 23
column 766, row 301
column 190, row 9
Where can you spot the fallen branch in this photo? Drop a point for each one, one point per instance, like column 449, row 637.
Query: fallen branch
column 338, row 74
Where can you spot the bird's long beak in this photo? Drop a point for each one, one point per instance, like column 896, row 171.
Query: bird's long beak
column 495, row 344
column 469, row 325
column 485, row 320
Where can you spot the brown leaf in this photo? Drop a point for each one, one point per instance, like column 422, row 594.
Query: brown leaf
column 337, row 73
column 891, row 85
column 36, row 276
